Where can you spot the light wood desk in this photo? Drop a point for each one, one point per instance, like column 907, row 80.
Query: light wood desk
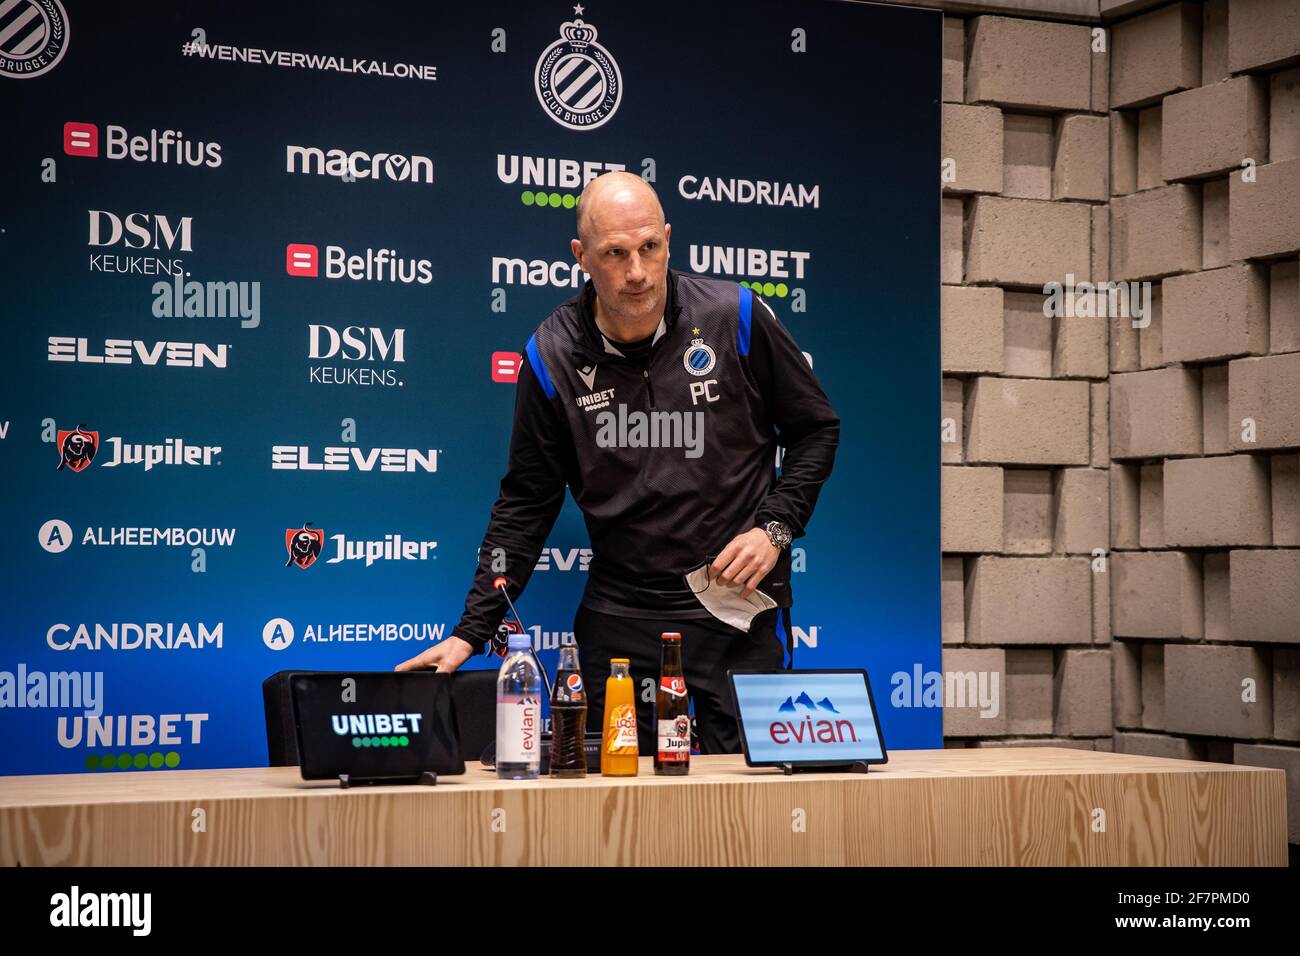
column 966, row 807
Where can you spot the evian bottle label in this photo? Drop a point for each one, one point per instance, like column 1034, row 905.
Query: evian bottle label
column 519, row 725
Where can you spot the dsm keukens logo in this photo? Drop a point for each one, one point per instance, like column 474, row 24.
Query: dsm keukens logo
column 577, row 81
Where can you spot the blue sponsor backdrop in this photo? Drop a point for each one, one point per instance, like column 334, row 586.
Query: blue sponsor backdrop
column 413, row 128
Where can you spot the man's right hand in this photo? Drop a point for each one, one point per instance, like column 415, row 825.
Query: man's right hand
column 445, row 656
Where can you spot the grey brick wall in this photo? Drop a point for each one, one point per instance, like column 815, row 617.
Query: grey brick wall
column 1121, row 505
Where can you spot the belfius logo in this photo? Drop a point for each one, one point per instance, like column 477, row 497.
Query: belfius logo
column 158, row 146
column 303, row 259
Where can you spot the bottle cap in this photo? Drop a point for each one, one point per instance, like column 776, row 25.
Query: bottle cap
column 620, row 660
column 670, row 636
column 519, row 642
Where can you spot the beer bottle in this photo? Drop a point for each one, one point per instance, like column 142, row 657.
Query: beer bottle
column 618, row 751
column 568, row 717
column 672, row 712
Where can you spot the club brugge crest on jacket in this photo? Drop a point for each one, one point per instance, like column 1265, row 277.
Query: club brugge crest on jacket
column 303, row 545
column 699, row 359
column 77, row 448
column 577, row 81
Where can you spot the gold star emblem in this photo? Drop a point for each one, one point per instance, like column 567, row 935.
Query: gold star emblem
column 695, row 331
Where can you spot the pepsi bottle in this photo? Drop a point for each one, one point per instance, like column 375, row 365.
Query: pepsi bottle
column 568, row 717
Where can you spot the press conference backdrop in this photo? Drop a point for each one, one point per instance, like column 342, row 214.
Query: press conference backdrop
column 268, row 272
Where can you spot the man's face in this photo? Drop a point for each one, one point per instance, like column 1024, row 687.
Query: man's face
column 626, row 255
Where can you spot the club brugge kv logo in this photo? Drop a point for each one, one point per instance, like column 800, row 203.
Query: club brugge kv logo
column 577, row 81
column 303, row 545
column 33, row 36
column 77, row 448
column 699, row 359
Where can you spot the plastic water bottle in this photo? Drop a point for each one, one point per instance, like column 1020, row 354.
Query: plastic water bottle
column 519, row 712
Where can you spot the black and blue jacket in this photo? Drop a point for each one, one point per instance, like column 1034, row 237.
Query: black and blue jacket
column 669, row 456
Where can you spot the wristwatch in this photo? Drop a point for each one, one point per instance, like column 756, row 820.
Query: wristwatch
column 779, row 534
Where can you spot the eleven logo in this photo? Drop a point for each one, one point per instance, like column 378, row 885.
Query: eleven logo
column 304, row 545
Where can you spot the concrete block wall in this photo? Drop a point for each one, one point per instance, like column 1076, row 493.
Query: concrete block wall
column 1121, row 494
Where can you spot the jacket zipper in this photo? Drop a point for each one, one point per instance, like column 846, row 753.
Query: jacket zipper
column 650, row 389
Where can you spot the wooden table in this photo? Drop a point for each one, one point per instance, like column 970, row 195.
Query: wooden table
column 965, row 807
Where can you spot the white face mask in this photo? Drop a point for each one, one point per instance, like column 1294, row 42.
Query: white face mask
column 725, row 603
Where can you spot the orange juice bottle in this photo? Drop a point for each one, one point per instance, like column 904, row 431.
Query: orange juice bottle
column 618, row 751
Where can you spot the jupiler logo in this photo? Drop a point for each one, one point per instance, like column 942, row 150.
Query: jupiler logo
column 78, row 447
column 577, row 81
column 305, row 544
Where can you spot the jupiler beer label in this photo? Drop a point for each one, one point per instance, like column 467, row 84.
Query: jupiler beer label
column 675, row 739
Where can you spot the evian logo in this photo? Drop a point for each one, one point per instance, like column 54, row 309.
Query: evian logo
column 800, row 720
column 577, row 81
column 358, row 164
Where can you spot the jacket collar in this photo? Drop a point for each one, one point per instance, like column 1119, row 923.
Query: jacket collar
column 591, row 344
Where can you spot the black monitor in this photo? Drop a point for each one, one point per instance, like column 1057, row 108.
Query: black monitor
column 377, row 726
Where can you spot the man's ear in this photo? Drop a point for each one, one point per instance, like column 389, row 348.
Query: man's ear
column 668, row 235
column 575, row 246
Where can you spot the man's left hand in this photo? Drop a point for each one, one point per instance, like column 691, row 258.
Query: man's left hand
column 746, row 560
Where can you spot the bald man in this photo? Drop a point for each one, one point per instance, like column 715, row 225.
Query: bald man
column 658, row 399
